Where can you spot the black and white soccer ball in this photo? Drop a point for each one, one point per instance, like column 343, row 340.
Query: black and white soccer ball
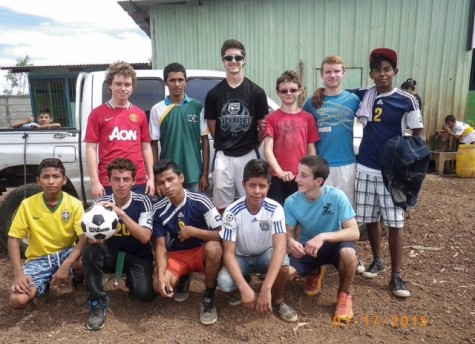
column 99, row 222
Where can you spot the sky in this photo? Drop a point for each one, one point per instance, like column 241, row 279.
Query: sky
column 53, row 32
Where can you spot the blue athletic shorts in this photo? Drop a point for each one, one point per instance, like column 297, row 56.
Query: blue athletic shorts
column 329, row 253
column 41, row 270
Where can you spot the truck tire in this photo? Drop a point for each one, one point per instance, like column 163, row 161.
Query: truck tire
column 9, row 207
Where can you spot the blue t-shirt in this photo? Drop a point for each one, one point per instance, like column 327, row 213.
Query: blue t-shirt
column 335, row 124
column 196, row 210
column 139, row 209
column 392, row 113
column 325, row 214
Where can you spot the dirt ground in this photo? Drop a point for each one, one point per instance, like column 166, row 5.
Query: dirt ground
column 438, row 266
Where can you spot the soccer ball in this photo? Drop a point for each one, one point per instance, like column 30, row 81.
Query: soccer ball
column 99, row 222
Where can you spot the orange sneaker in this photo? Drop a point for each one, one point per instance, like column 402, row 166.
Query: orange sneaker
column 314, row 282
column 344, row 307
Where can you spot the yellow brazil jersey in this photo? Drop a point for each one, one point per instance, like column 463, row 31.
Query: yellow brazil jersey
column 48, row 230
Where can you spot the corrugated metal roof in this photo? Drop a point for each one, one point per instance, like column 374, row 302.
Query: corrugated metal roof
column 70, row 68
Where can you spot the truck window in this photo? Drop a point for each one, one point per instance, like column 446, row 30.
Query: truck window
column 198, row 88
column 147, row 93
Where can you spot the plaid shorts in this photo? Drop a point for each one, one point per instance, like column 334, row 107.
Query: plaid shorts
column 42, row 269
column 373, row 200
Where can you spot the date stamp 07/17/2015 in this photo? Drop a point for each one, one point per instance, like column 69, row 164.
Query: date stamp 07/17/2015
column 386, row 320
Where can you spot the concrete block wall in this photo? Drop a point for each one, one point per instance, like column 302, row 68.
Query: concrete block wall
column 13, row 109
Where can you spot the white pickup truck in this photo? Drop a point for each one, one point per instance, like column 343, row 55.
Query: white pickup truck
column 21, row 151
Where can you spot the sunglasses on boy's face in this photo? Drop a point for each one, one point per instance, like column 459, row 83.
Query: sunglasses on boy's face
column 229, row 58
column 292, row 90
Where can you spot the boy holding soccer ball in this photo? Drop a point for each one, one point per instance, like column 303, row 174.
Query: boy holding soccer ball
column 128, row 248
column 51, row 220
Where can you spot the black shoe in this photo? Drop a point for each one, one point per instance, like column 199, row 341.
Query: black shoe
column 98, row 310
column 398, row 287
column 208, row 313
column 182, row 290
column 375, row 269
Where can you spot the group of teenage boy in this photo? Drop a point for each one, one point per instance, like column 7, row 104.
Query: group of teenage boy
column 295, row 212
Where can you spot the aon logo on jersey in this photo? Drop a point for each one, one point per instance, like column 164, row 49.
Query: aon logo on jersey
column 123, row 135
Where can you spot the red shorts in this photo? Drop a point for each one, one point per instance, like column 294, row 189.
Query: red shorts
column 181, row 263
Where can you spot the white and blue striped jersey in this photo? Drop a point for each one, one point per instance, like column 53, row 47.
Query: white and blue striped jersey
column 196, row 210
column 252, row 233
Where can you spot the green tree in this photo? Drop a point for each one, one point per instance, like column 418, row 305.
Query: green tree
column 18, row 82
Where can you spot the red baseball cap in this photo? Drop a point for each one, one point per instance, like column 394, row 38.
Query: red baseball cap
column 389, row 54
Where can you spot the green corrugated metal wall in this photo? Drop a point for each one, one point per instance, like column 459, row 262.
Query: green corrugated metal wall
column 429, row 35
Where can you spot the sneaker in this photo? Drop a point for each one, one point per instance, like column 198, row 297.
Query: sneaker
column 375, row 269
column 208, row 314
column 80, row 294
column 182, row 290
column 98, row 310
column 398, row 287
column 314, row 282
column 235, row 299
column 360, row 268
column 285, row 312
column 344, row 308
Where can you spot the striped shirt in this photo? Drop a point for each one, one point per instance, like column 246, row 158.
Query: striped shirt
column 252, row 233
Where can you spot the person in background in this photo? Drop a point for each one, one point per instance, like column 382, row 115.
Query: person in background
column 463, row 132
column 410, row 86
column 45, row 121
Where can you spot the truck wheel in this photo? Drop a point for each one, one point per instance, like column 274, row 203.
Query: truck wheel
column 9, row 207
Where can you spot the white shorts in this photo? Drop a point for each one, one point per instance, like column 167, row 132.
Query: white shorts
column 373, row 200
column 227, row 177
column 343, row 178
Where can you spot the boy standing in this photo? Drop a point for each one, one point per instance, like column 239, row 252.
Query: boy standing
column 178, row 123
column 329, row 230
column 118, row 129
column 255, row 242
column 335, row 119
column 192, row 223
column 234, row 109
column 129, row 247
column 51, row 220
column 385, row 112
column 290, row 134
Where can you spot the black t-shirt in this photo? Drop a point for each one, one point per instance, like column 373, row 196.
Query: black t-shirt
column 236, row 111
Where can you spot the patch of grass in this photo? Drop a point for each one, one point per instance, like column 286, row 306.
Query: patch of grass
column 470, row 114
